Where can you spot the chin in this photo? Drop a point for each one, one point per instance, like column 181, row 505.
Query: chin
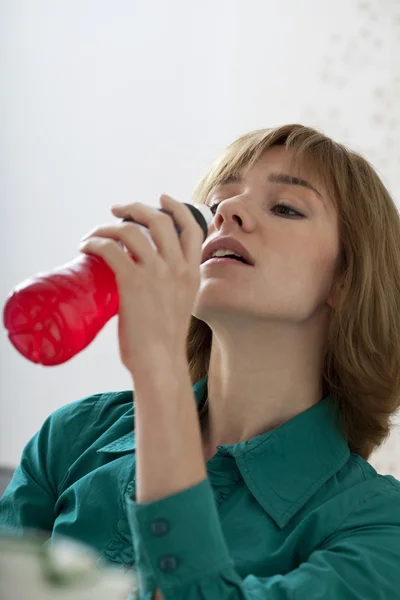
column 214, row 304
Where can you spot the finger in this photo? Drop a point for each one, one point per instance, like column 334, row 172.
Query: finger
column 191, row 235
column 131, row 236
column 160, row 226
column 115, row 257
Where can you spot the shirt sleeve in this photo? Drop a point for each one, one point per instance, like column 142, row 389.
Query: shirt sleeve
column 30, row 497
column 181, row 551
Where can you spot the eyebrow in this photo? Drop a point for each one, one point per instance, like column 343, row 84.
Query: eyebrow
column 290, row 180
column 283, row 178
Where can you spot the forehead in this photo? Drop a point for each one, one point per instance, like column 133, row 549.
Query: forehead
column 280, row 159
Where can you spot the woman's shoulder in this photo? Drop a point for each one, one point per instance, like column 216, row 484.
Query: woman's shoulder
column 364, row 486
column 100, row 404
column 372, row 477
column 75, row 433
column 357, row 497
column 81, row 423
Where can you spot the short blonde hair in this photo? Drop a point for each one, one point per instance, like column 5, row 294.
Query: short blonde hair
column 362, row 361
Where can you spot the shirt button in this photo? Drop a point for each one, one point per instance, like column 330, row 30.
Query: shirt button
column 159, row 527
column 168, row 563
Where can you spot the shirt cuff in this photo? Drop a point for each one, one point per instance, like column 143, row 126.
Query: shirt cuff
column 177, row 539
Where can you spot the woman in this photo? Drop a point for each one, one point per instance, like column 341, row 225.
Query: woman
column 261, row 487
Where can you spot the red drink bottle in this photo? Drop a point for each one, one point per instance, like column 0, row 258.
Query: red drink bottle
column 52, row 316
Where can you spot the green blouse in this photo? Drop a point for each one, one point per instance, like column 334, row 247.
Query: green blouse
column 290, row 514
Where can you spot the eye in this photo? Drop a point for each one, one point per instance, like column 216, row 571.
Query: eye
column 288, row 208
column 213, row 207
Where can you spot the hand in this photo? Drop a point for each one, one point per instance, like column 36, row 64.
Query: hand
column 156, row 293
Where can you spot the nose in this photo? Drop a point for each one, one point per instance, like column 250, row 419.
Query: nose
column 234, row 214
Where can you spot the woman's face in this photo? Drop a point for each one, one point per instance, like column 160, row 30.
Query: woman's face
column 295, row 248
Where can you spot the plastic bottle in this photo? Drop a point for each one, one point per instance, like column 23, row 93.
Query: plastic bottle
column 52, row 316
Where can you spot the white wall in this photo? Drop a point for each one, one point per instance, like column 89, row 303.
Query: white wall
column 105, row 102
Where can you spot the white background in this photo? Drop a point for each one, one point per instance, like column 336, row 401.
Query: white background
column 104, row 102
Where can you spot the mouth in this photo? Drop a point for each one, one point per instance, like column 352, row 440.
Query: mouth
column 226, row 260
column 226, row 247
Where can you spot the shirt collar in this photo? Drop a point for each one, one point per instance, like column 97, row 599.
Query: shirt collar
column 282, row 467
column 285, row 466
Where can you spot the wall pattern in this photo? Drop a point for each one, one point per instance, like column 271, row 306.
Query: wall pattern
column 370, row 60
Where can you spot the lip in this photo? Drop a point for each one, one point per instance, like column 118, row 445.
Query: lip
column 221, row 260
column 229, row 243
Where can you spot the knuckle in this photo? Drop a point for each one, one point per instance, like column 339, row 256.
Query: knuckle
column 131, row 206
column 107, row 243
column 126, row 227
column 160, row 217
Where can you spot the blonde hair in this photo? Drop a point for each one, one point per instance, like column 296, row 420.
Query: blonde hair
column 362, row 360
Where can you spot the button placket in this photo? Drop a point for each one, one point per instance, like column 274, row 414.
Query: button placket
column 159, row 527
column 168, row 564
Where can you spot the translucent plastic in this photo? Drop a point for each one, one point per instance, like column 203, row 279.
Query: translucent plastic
column 51, row 317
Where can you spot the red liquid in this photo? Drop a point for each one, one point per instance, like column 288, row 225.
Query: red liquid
column 53, row 316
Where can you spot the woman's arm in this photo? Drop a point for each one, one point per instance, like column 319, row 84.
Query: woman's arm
column 359, row 561
column 165, row 397
column 30, row 498
column 166, row 418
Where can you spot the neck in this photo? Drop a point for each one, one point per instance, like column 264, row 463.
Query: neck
column 253, row 388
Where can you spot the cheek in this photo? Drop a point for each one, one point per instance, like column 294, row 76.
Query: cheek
column 302, row 269
column 323, row 269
